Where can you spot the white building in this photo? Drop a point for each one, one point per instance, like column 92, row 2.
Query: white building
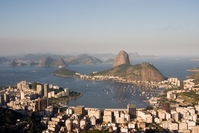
column 183, row 125
column 93, row 120
column 173, row 126
column 107, row 116
column 161, row 114
column 94, row 112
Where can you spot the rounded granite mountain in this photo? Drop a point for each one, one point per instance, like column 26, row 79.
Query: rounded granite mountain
column 121, row 58
column 140, row 72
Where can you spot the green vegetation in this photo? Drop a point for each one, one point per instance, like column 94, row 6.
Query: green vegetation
column 190, row 97
column 163, row 96
column 13, row 64
column 195, row 75
column 64, row 73
column 115, row 71
column 137, row 67
column 9, row 123
column 142, row 72
column 149, row 65
column 171, row 89
column 72, row 95
column 149, row 108
column 34, row 85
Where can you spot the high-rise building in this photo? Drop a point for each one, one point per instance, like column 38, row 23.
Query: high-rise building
column 107, row 117
column 46, row 88
column 41, row 103
column 22, row 94
column 167, row 107
column 40, row 90
column 94, row 112
column 131, row 110
column 19, row 86
column 6, row 98
column 66, row 90
column 23, row 85
column 1, row 100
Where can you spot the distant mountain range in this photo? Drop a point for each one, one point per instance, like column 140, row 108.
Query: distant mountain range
column 13, row 63
column 3, row 59
column 107, row 56
column 60, row 60
column 53, row 60
column 84, row 59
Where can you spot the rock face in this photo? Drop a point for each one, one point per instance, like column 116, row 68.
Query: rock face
column 13, row 63
column 48, row 61
column 122, row 58
column 84, row 59
column 144, row 72
column 59, row 62
column 140, row 72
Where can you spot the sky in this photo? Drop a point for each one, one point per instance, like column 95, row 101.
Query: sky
column 152, row 27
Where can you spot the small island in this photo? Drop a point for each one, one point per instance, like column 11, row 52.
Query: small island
column 65, row 73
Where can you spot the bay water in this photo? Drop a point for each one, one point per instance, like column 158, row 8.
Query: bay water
column 100, row 94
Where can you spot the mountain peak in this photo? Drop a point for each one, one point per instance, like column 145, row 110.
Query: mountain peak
column 121, row 58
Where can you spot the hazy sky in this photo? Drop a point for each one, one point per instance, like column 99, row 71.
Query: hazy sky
column 156, row 27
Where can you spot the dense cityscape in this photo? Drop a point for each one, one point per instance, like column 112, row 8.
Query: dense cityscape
column 99, row 66
column 161, row 116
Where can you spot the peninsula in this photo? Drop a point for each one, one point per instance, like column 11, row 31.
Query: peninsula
column 194, row 75
column 65, row 73
column 34, row 93
column 122, row 71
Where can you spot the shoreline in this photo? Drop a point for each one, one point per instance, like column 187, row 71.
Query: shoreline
column 64, row 99
column 153, row 85
column 193, row 69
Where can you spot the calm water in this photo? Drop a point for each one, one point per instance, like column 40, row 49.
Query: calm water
column 102, row 94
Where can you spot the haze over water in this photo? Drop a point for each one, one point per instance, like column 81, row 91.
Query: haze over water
column 101, row 94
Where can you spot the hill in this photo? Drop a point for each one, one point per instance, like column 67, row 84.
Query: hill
column 14, row 122
column 64, row 73
column 13, row 64
column 194, row 75
column 48, row 61
column 3, row 59
column 84, row 59
column 32, row 57
column 109, row 61
column 139, row 72
column 32, row 64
